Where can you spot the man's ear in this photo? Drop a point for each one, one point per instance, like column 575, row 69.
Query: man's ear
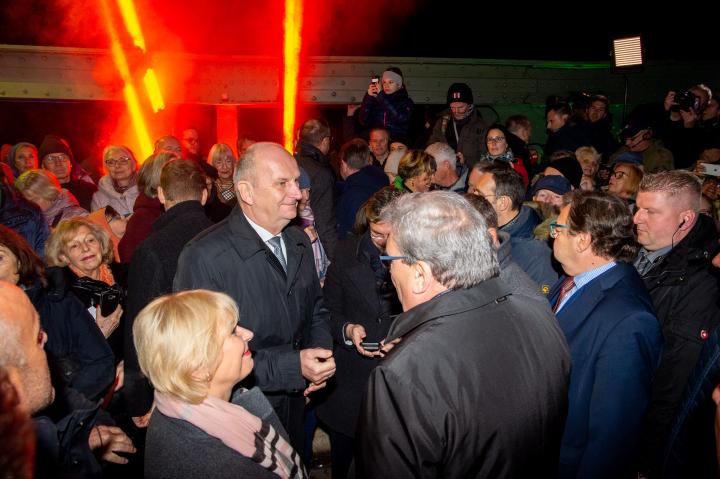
column 204, row 197
column 161, row 195
column 583, row 241
column 421, row 277
column 504, row 203
column 246, row 192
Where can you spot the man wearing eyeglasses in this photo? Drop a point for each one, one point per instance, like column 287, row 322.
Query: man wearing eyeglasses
column 477, row 386
column 57, row 157
column 615, row 340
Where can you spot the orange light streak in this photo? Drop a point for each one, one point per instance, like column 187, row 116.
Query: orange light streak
column 293, row 27
column 129, row 15
column 129, row 92
column 153, row 90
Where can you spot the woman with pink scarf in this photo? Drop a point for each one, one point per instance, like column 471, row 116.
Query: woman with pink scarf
column 192, row 349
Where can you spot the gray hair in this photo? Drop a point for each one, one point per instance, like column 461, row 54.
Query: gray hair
column 442, row 229
column 442, row 152
column 150, row 171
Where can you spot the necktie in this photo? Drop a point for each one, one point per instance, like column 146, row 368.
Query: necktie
column 274, row 243
column 567, row 285
column 643, row 264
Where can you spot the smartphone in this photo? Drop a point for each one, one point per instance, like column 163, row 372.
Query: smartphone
column 375, row 79
column 710, row 169
column 370, row 346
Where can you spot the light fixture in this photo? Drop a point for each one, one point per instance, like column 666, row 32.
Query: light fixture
column 627, row 52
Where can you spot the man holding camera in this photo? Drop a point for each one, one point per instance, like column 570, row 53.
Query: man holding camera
column 681, row 129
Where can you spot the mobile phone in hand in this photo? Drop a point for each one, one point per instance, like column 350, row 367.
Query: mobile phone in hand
column 370, row 346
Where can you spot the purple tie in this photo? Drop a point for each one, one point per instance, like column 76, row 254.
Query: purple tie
column 567, row 285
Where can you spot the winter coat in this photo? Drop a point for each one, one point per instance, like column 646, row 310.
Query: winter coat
column 354, row 294
column 393, row 112
column 285, row 310
column 24, row 217
column 322, row 193
column 684, row 289
column 477, row 387
column 83, row 189
column 145, row 211
column 106, row 195
column 151, row 274
column 355, row 191
column 469, row 140
column 64, row 207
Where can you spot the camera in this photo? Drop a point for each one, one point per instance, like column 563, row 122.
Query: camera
column 686, row 101
column 97, row 293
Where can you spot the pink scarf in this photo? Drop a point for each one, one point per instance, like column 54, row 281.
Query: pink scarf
column 238, row 430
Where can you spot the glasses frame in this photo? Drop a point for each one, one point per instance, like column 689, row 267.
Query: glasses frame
column 387, row 260
column 555, row 229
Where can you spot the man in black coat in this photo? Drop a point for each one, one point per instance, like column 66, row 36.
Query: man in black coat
column 674, row 261
column 270, row 271
column 477, row 386
column 313, row 148
column 183, row 193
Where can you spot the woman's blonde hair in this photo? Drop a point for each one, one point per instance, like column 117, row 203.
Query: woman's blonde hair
column 179, row 340
column 220, row 151
column 416, row 162
column 39, row 184
column 55, row 246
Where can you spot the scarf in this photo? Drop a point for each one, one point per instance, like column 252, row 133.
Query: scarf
column 238, row 430
column 306, row 218
column 507, row 157
column 225, row 189
column 123, row 189
column 105, row 275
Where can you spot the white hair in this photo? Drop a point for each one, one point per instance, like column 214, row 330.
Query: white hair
column 442, row 152
column 443, row 229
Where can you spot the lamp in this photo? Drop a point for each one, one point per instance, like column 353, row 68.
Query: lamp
column 627, row 56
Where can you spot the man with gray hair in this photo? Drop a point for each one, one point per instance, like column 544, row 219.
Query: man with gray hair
column 269, row 270
column 678, row 244
column 477, row 387
column 446, row 177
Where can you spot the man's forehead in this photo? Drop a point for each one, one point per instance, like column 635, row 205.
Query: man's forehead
column 378, row 135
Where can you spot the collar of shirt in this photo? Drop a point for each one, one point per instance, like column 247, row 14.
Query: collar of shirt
column 653, row 256
column 265, row 235
column 584, row 278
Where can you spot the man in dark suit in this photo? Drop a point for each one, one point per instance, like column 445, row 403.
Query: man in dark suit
column 614, row 337
column 183, row 193
column 269, row 270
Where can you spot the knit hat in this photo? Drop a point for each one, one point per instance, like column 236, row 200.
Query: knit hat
column 556, row 184
column 391, row 75
column 629, row 157
column 54, row 144
column 459, row 92
column 304, row 179
column 570, row 168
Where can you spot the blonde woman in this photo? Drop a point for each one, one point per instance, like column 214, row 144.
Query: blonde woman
column 42, row 188
column 193, row 350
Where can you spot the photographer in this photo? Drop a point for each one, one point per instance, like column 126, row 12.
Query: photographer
column 680, row 129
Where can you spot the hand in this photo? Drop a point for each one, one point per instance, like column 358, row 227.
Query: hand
column 107, row 440
column 142, row 421
column 711, row 155
column 120, row 375
column 314, row 387
column 317, row 364
column 669, row 100
column 352, row 108
column 110, row 323
column 386, row 347
column 374, row 89
column 689, row 117
column 312, row 233
column 356, row 334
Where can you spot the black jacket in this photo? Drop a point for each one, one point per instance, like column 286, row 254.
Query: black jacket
column 285, row 311
column 355, row 191
column 322, row 194
column 354, row 294
column 684, row 290
column 75, row 344
column 152, row 270
column 476, row 388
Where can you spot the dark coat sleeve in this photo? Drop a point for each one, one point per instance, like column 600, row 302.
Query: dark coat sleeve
column 406, row 441
column 399, row 112
column 367, row 110
column 322, row 202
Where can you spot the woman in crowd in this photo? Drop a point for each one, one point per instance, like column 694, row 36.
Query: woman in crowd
column 23, row 157
column 75, row 343
column 42, row 188
column 415, row 172
column 388, row 104
column 625, row 181
column 498, row 150
column 192, row 349
column 306, row 220
column 119, row 186
column 147, row 207
column 114, row 225
column 221, row 157
column 362, row 300
column 589, row 160
column 84, row 250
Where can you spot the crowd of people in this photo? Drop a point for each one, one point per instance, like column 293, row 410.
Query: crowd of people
column 473, row 307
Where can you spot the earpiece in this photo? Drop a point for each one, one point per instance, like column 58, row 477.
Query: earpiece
column 682, row 223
